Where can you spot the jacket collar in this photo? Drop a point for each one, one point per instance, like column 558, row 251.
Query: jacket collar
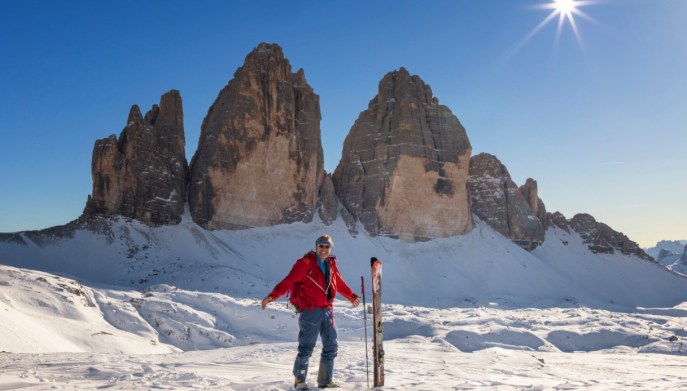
column 313, row 256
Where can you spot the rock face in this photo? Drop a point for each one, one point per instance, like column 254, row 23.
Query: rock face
column 683, row 257
column 516, row 213
column 557, row 219
column 672, row 250
column 599, row 237
column 488, row 185
column 666, row 257
column 259, row 160
column 328, row 202
column 142, row 175
column 405, row 164
column 405, row 169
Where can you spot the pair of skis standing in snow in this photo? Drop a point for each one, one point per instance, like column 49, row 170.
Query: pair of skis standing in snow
column 312, row 284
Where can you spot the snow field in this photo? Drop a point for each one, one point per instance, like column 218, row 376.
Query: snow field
column 134, row 307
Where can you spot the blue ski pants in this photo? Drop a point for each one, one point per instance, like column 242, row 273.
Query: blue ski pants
column 313, row 322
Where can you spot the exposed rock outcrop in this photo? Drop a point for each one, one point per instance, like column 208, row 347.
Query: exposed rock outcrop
column 530, row 191
column 516, row 213
column 599, row 237
column 683, row 257
column 665, row 257
column 328, row 202
column 142, row 175
column 405, row 163
column 405, row 169
column 259, row 160
column 557, row 219
column 488, row 186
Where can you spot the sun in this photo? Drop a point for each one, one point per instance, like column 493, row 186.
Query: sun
column 565, row 7
column 565, row 10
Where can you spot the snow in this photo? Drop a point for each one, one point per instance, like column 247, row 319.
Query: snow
column 177, row 307
column 172, row 196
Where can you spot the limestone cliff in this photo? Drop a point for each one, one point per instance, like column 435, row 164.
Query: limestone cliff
column 142, row 174
column 259, row 160
column 405, row 164
column 516, row 212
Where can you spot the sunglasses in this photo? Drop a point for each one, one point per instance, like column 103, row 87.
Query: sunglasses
column 323, row 245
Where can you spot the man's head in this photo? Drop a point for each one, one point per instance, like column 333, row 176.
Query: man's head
column 323, row 246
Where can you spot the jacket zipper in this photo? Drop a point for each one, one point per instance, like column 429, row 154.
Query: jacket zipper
column 320, row 286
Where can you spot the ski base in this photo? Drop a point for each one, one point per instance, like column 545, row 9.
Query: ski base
column 378, row 326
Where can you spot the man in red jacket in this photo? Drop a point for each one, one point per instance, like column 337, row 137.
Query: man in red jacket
column 313, row 282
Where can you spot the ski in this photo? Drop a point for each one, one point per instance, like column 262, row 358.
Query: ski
column 377, row 348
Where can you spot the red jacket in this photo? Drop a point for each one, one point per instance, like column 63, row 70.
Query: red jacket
column 313, row 290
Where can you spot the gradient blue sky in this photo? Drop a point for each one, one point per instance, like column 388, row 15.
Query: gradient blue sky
column 599, row 122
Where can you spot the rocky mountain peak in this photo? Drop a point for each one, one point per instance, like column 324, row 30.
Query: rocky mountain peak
column 405, row 169
column 402, row 85
column 135, row 116
column 259, row 160
column 599, row 237
column 142, row 175
column 516, row 212
column 169, row 114
column 405, row 163
column 266, row 58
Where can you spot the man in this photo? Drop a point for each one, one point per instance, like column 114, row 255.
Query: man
column 313, row 282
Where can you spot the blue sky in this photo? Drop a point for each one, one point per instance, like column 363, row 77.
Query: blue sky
column 600, row 121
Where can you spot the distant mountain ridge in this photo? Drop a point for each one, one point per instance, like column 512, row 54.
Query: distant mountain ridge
column 672, row 246
column 406, row 170
column 671, row 254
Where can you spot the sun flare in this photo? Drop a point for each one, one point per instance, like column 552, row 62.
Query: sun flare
column 564, row 10
column 564, row 6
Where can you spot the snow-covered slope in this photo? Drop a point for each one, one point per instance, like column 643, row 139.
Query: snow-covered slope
column 507, row 318
column 478, row 267
column 40, row 312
